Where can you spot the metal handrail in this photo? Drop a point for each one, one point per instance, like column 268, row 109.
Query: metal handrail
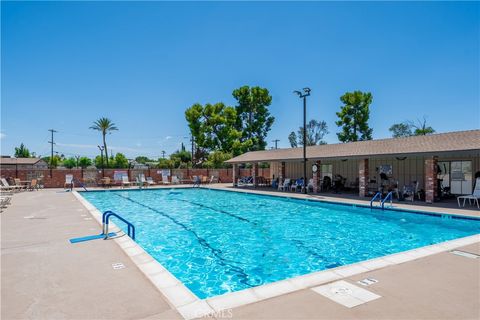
column 80, row 183
column 389, row 196
column 105, row 219
column 378, row 194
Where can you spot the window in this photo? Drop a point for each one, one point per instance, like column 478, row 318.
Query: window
column 327, row 171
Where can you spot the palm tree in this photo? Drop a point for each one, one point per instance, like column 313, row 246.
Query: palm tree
column 105, row 126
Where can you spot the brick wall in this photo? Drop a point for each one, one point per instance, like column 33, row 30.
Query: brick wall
column 91, row 177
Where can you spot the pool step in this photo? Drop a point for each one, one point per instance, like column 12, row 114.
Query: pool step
column 94, row 237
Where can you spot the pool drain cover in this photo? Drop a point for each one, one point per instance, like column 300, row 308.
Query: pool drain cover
column 118, row 265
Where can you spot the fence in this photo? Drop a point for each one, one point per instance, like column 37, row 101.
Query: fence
column 91, row 177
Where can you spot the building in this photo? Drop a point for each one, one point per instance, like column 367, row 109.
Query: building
column 444, row 161
column 22, row 163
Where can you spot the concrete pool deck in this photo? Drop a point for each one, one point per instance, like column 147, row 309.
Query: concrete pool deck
column 44, row 276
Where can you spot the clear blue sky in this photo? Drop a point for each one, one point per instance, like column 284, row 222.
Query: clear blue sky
column 142, row 64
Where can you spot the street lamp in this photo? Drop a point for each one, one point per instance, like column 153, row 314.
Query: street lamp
column 101, row 148
column 303, row 95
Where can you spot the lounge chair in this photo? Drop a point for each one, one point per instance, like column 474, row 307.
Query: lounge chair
column 68, row 181
column 214, row 179
column 19, row 184
column 34, row 185
column 472, row 197
column 165, row 179
column 245, row 181
column 125, row 182
column 150, row 181
column 285, row 185
column 7, row 186
column 141, row 181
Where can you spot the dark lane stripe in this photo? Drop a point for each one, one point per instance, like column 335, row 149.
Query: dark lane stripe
column 203, row 242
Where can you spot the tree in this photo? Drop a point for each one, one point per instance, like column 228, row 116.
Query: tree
column 400, row 130
column 70, row 163
column 84, row 162
column 216, row 159
column 354, row 115
column 56, row 160
column 292, row 138
column 22, row 152
column 213, row 128
column 142, row 159
column 98, row 162
column 165, row 163
column 421, row 129
column 104, row 125
column 409, row 128
column 253, row 117
column 121, row 162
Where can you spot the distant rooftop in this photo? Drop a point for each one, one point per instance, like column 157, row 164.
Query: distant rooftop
column 434, row 143
column 5, row 160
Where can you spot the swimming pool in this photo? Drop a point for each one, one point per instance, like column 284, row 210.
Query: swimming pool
column 221, row 241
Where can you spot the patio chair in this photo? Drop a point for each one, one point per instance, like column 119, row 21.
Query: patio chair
column 309, row 185
column 141, row 181
column 19, row 184
column 298, row 184
column 196, row 181
column 125, row 182
column 175, row 180
column 471, row 197
column 34, row 185
column 150, row 181
column 165, row 179
column 285, row 185
column 68, row 181
column 409, row 192
column 213, row 179
column 7, row 186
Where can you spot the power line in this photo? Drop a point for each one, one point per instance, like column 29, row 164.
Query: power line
column 276, row 141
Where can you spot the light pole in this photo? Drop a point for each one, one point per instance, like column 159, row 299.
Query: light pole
column 303, row 95
column 101, row 155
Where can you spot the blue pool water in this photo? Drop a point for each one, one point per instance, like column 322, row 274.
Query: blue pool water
column 219, row 241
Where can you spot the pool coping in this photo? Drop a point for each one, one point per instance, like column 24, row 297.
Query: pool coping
column 190, row 306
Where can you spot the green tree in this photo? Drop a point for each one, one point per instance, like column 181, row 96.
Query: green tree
column 353, row 117
column 253, row 117
column 120, row 161
column 104, row 125
column 69, row 163
column 98, row 162
column 22, row 152
column 421, row 128
column 316, row 130
column 84, row 162
column 165, row 163
column 142, row 159
column 217, row 159
column 213, row 128
column 292, row 138
column 400, row 130
column 56, row 160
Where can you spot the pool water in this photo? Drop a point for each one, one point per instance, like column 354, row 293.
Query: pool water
column 220, row 241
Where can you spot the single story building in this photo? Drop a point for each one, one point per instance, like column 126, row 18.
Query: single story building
column 444, row 162
column 22, row 163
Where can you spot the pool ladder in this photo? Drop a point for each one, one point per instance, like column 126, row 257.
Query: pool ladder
column 105, row 222
column 382, row 201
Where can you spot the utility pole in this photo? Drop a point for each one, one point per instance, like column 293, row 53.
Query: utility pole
column 52, row 142
column 276, row 141
column 193, row 149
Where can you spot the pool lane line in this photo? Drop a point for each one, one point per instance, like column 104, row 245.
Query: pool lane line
column 203, row 242
column 214, row 209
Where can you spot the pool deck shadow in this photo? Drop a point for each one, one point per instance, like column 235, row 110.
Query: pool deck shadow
column 44, row 276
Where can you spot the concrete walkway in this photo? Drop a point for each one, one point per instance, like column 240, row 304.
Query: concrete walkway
column 44, row 276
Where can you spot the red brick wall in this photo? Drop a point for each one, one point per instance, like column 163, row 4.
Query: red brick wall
column 57, row 180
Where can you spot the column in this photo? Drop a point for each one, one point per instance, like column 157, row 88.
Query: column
column 234, row 174
column 430, row 179
column 255, row 173
column 363, row 178
column 317, row 176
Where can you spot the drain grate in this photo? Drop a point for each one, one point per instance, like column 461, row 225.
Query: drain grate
column 465, row 254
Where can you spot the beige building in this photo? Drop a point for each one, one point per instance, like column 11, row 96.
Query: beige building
column 433, row 164
column 22, row 163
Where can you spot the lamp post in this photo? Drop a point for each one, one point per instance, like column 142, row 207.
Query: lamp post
column 101, row 148
column 303, row 95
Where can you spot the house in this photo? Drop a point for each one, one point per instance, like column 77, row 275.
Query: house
column 22, row 163
column 432, row 163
